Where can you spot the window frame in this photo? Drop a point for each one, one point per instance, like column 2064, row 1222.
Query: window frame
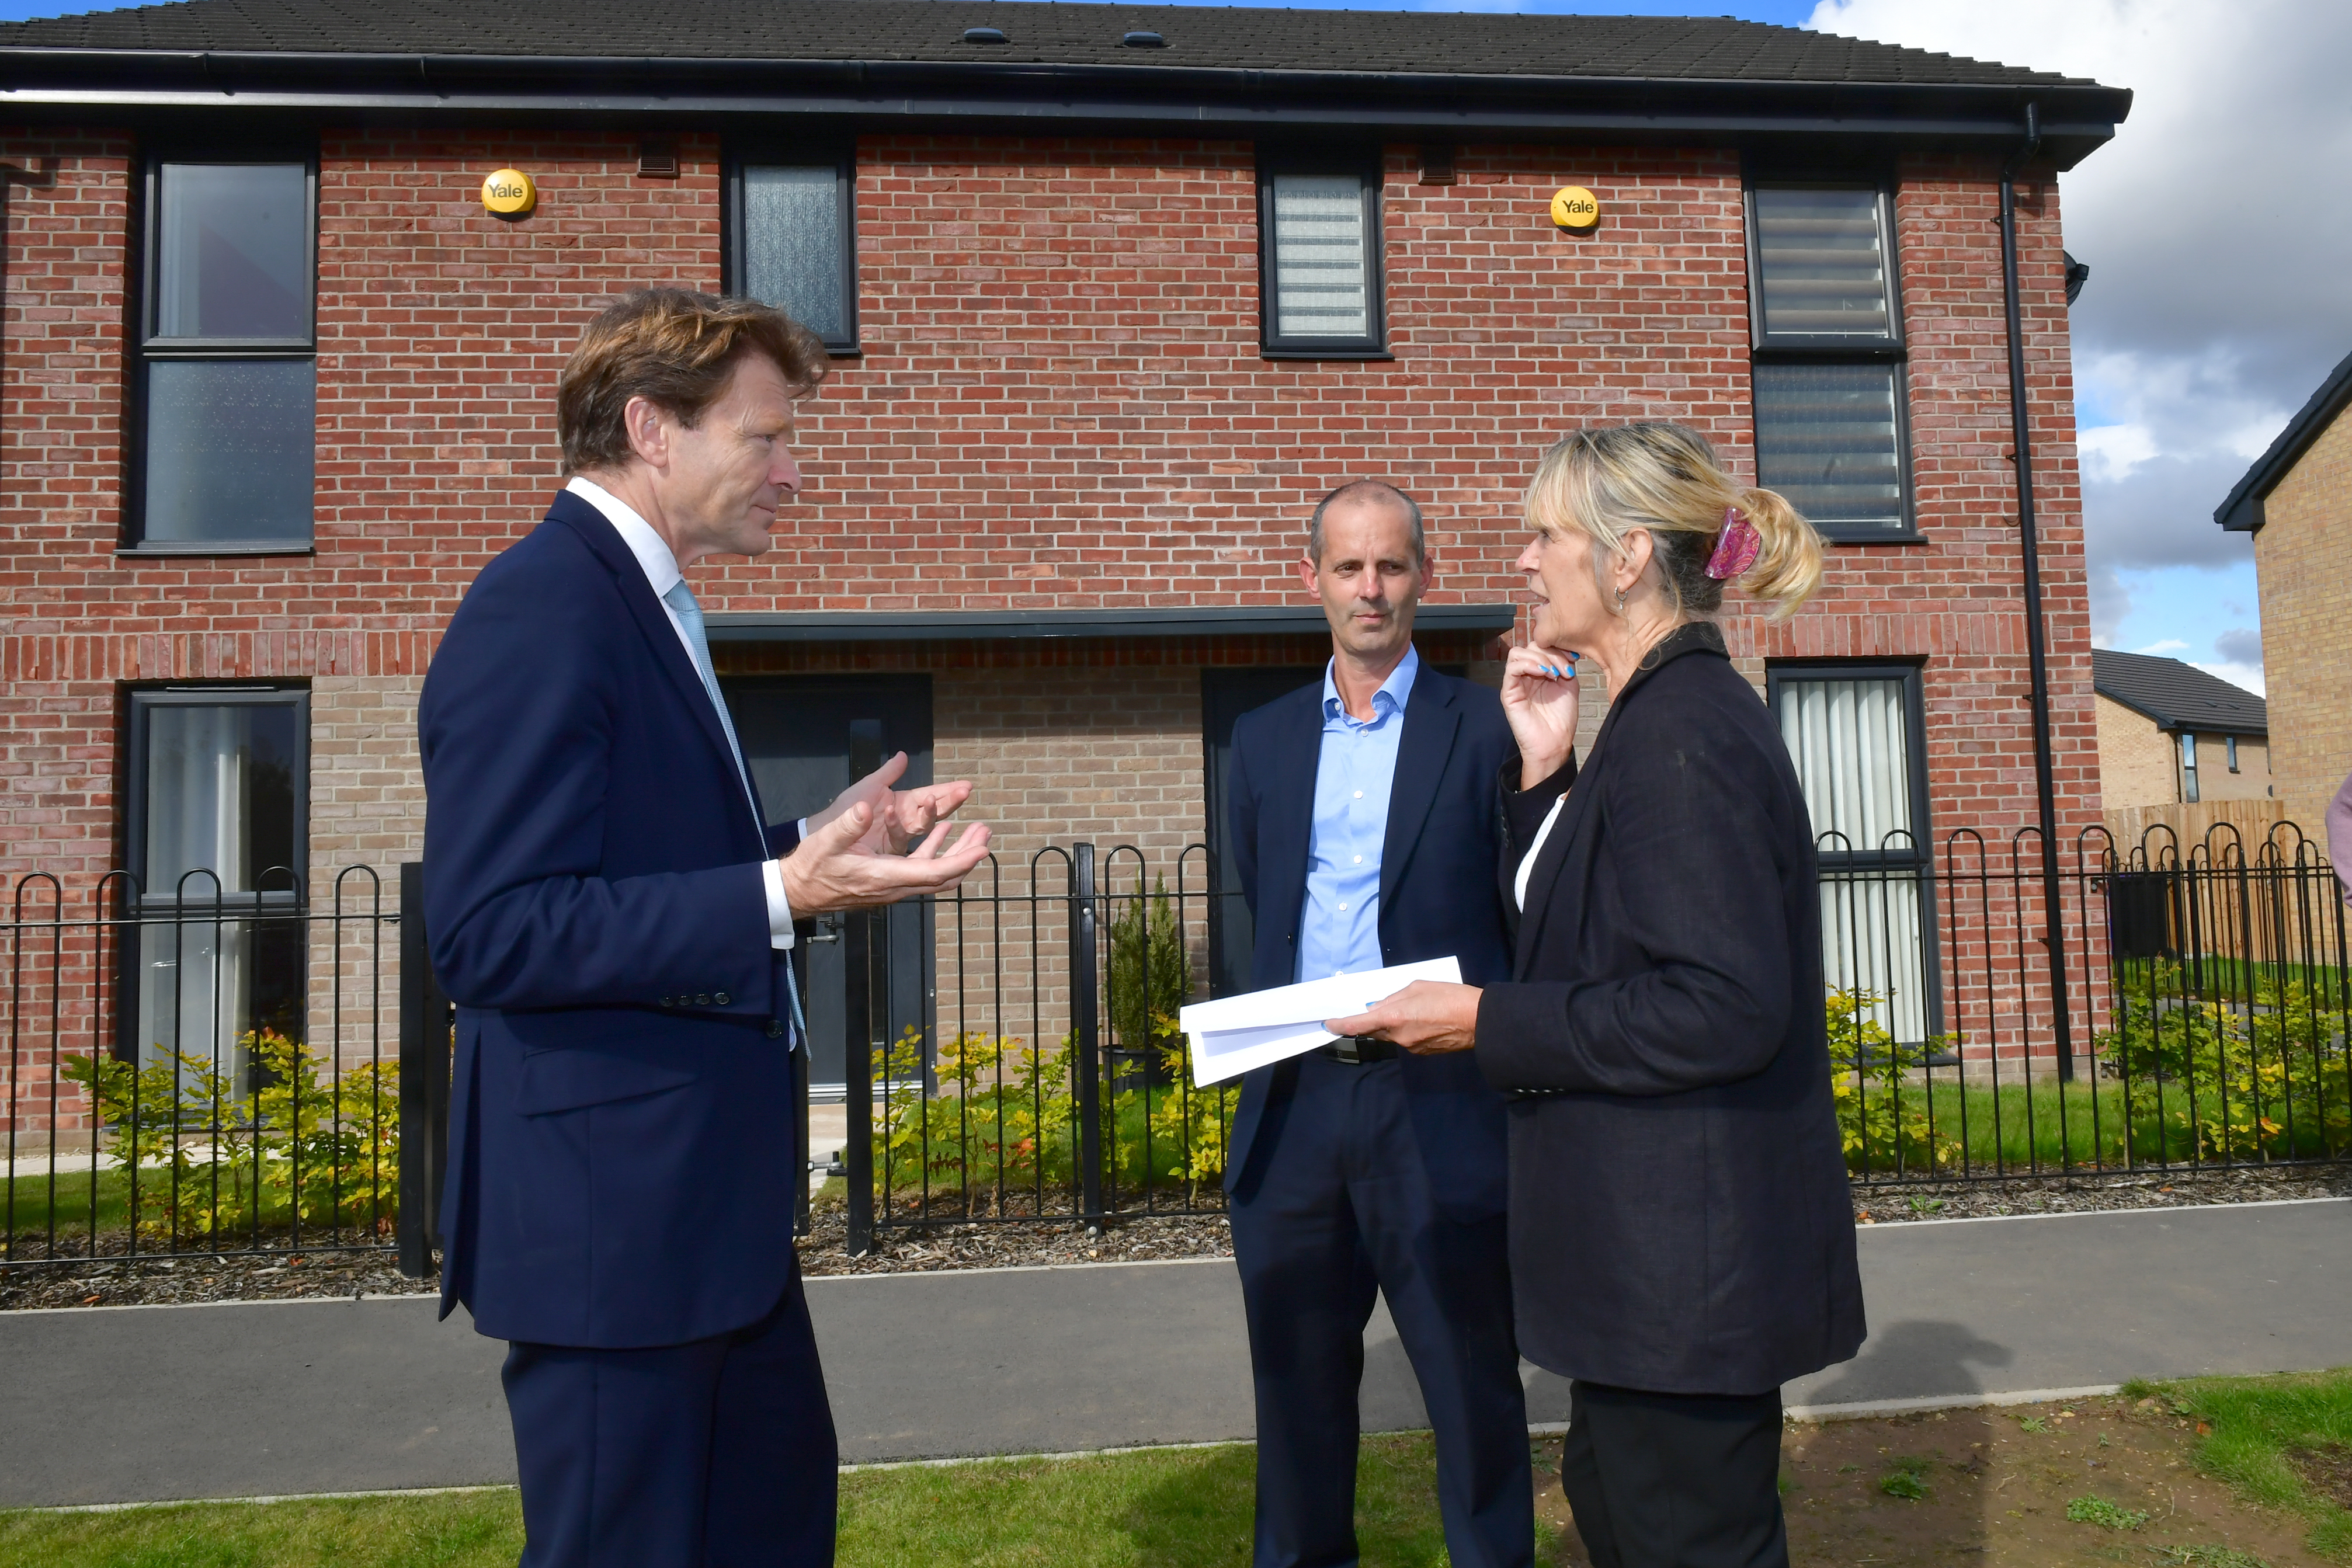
column 140, row 701
column 1362, row 163
column 2188, row 755
column 842, row 153
column 2229, row 747
column 1921, row 862
column 1821, row 348
column 146, row 349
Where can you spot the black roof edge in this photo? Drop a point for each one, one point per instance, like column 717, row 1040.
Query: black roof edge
column 2241, row 513
column 2075, row 119
column 996, row 625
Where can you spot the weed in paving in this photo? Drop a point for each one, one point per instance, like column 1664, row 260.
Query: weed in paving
column 2098, row 1511
column 1906, row 1478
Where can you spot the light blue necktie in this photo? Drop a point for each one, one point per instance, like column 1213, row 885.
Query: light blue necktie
column 680, row 599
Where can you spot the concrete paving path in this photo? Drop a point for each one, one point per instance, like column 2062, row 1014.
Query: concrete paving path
column 109, row 1405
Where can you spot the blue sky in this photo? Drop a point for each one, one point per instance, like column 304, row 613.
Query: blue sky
column 2195, row 341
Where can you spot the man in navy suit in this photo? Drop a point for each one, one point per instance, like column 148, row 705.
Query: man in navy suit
column 1363, row 823
column 611, row 911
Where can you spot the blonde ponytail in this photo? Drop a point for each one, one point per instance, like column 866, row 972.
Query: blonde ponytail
column 1789, row 567
column 1664, row 478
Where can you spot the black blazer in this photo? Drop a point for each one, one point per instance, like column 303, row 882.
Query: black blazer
column 1438, row 896
column 1680, row 1217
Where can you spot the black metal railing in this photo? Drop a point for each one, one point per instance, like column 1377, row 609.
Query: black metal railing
column 198, row 1070
column 2208, row 989
column 214, row 1073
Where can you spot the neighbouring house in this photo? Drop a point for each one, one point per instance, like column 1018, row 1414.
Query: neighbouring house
column 2171, row 733
column 1115, row 295
column 2296, row 500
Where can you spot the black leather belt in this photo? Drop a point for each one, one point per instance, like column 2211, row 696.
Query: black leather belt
column 1357, row 1050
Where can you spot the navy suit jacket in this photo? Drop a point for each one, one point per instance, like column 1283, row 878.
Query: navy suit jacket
column 622, row 1159
column 1439, row 862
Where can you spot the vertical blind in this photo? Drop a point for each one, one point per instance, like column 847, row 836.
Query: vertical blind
column 1824, row 263
column 1851, row 742
column 792, row 244
column 1827, row 438
column 1321, row 251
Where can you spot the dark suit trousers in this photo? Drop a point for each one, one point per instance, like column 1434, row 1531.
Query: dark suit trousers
column 716, row 1454
column 1675, row 1481
column 1342, row 1207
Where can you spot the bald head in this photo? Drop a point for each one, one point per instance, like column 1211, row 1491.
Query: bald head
column 1373, row 493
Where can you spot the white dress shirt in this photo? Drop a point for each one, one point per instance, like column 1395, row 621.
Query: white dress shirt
column 1528, row 865
column 662, row 575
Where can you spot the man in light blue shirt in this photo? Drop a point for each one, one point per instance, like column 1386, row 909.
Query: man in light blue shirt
column 1339, row 929
column 1365, row 833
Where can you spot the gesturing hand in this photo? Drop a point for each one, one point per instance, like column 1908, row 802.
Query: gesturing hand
column 846, row 865
column 900, row 816
column 1427, row 1018
column 1539, row 698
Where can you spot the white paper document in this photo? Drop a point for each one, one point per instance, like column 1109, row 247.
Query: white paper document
column 1233, row 1034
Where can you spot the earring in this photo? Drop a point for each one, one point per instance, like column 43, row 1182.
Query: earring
column 1620, row 601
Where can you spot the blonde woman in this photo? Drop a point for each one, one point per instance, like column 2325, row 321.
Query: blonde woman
column 1681, row 1239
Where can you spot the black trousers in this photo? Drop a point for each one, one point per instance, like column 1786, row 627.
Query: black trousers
column 714, row 1454
column 1342, row 1209
column 1675, row 1481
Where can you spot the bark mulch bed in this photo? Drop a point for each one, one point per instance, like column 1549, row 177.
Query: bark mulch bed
column 1024, row 1242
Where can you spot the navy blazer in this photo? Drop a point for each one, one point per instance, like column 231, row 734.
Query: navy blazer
column 1438, row 898
column 1680, row 1216
column 622, row 1163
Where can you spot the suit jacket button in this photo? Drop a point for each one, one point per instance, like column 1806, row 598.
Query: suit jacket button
column 703, row 1000
column 667, row 1002
column 775, row 1029
column 720, row 998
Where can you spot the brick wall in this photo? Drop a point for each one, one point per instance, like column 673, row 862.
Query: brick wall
column 2139, row 765
column 1060, row 404
column 2307, row 625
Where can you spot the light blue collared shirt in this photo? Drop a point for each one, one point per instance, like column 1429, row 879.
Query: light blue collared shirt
column 1339, row 926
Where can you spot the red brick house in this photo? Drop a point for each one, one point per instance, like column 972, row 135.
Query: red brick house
column 1116, row 292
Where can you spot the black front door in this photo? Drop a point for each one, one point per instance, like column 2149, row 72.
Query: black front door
column 804, row 738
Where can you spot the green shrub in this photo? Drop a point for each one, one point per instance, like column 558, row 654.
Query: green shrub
column 1883, row 1126
column 1907, row 1479
column 2259, row 1082
column 310, row 1144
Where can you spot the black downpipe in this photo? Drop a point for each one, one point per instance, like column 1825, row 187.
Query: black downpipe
column 2037, row 652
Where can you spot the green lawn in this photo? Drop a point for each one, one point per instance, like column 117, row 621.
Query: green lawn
column 2052, row 1126
column 1187, row 1508
column 2266, row 1432
column 28, row 1218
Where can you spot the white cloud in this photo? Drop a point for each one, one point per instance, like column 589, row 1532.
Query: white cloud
column 2214, row 225
column 2245, row 677
column 2113, row 451
column 2168, row 646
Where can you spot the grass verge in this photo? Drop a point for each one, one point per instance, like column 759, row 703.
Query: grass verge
column 2284, row 1442
column 1186, row 1507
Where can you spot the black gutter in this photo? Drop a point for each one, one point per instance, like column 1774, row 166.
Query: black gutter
column 2037, row 656
column 1192, row 98
column 1023, row 625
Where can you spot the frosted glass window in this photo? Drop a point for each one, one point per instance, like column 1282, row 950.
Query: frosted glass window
column 1827, row 437
column 1322, row 248
column 232, row 251
column 1823, row 259
column 795, row 244
column 231, row 448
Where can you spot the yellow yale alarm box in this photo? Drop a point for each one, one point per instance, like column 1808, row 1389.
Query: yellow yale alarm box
column 511, row 194
column 1574, row 207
